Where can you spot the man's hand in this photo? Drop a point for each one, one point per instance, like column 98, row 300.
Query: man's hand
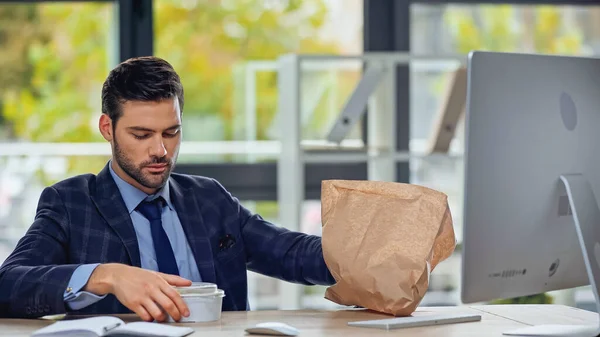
column 142, row 291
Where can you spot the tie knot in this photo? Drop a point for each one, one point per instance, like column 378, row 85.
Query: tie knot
column 151, row 210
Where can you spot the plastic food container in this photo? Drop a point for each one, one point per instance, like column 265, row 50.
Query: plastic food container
column 204, row 300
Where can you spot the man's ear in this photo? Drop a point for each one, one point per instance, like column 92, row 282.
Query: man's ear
column 105, row 126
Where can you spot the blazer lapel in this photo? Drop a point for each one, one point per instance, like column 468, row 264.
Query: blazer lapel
column 189, row 214
column 110, row 204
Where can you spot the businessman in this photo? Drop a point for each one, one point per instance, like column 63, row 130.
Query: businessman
column 118, row 241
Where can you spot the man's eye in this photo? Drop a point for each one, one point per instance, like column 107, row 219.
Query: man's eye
column 140, row 136
column 170, row 135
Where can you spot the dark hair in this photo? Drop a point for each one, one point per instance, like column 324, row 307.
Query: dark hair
column 147, row 78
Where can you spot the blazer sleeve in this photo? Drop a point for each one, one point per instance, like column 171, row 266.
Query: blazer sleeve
column 278, row 252
column 34, row 278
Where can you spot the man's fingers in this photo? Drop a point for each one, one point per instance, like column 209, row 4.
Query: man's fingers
column 166, row 303
column 154, row 310
column 176, row 298
column 143, row 313
column 176, row 280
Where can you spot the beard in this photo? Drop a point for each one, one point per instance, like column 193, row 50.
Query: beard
column 149, row 180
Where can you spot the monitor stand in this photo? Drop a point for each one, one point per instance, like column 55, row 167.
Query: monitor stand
column 586, row 216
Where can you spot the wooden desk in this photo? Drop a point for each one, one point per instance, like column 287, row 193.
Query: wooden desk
column 494, row 321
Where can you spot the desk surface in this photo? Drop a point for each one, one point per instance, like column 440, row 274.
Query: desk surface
column 494, row 320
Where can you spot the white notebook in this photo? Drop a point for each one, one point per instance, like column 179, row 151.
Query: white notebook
column 110, row 326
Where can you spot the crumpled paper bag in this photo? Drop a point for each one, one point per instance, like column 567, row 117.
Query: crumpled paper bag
column 381, row 240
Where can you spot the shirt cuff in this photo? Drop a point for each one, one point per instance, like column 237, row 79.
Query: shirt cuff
column 76, row 299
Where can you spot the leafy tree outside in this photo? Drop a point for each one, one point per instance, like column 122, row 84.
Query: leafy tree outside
column 56, row 56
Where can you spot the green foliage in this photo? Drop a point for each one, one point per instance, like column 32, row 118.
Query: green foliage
column 55, row 57
column 512, row 28
column 217, row 37
column 66, row 64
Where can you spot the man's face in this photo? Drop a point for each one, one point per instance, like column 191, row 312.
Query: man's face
column 145, row 142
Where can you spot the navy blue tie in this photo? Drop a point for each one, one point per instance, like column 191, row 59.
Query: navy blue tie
column 152, row 210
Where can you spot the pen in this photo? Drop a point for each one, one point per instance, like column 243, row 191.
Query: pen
column 110, row 327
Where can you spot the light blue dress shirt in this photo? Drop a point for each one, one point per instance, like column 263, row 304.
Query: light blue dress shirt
column 77, row 299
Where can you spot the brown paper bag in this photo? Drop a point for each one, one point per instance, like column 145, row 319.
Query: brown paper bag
column 381, row 240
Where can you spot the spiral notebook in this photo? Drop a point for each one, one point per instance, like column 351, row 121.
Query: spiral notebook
column 110, row 326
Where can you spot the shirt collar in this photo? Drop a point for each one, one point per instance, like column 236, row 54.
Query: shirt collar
column 133, row 196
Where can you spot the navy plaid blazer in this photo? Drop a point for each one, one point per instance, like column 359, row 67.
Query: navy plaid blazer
column 84, row 220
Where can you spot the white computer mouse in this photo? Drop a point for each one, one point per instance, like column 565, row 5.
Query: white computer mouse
column 273, row 328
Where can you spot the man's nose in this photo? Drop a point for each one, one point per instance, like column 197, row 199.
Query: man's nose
column 158, row 148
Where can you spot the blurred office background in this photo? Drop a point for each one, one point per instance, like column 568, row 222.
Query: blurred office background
column 54, row 56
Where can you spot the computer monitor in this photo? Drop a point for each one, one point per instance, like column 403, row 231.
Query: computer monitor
column 532, row 170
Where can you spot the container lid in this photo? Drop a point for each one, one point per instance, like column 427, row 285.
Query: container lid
column 217, row 293
column 198, row 288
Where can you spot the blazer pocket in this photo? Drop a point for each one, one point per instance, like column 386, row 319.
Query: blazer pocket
column 230, row 252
